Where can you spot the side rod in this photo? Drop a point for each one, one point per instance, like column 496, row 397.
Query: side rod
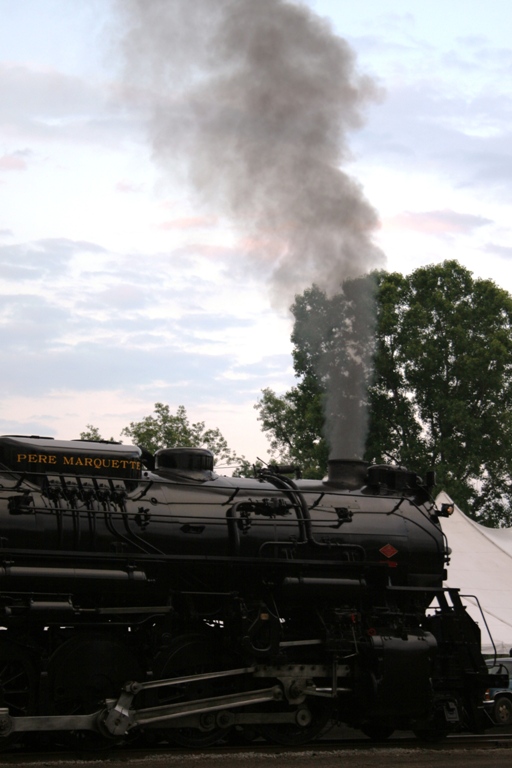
column 118, row 717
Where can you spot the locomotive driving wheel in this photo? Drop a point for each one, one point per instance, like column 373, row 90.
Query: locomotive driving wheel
column 188, row 655
column 83, row 672
column 17, row 686
column 312, row 719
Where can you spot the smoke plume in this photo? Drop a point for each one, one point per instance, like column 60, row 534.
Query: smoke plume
column 252, row 101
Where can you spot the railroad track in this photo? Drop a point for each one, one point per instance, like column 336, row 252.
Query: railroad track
column 401, row 743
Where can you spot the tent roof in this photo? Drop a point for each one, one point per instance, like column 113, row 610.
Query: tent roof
column 481, row 567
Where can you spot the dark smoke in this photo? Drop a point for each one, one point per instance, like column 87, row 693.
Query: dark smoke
column 350, row 365
column 252, row 100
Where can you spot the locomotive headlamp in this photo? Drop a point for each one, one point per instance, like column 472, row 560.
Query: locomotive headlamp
column 446, row 510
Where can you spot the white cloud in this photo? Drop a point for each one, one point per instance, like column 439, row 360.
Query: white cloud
column 117, row 290
column 438, row 223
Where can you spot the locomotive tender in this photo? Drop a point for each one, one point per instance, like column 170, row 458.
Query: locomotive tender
column 147, row 594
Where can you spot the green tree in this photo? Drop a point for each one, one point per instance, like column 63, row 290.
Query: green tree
column 395, row 431
column 92, row 433
column 441, row 393
column 294, row 424
column 164, row 429
column 245, row 468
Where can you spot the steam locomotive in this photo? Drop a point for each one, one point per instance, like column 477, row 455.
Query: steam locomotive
column 145, row 594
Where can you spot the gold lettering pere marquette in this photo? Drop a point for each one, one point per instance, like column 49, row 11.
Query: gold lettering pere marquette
column 79, row 461
column 37, row 458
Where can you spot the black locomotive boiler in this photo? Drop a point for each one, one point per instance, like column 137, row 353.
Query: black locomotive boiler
column 146, row 594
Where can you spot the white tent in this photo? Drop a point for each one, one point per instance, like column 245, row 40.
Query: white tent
column 481, row 567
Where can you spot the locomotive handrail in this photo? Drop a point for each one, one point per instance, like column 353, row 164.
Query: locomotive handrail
column 477, row 601
column 293, row 491
column 297, row 500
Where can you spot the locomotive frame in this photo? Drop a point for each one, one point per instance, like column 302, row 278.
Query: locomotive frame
column 147, row 595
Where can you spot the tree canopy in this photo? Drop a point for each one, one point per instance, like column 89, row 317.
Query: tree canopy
column 90, row 433
column 441, row 392
column 164, row 429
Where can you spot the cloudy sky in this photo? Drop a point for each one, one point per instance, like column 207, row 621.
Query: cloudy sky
column 120, row 288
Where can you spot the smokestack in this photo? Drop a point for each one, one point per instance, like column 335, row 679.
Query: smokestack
column 346, row 473
column 252, row 101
